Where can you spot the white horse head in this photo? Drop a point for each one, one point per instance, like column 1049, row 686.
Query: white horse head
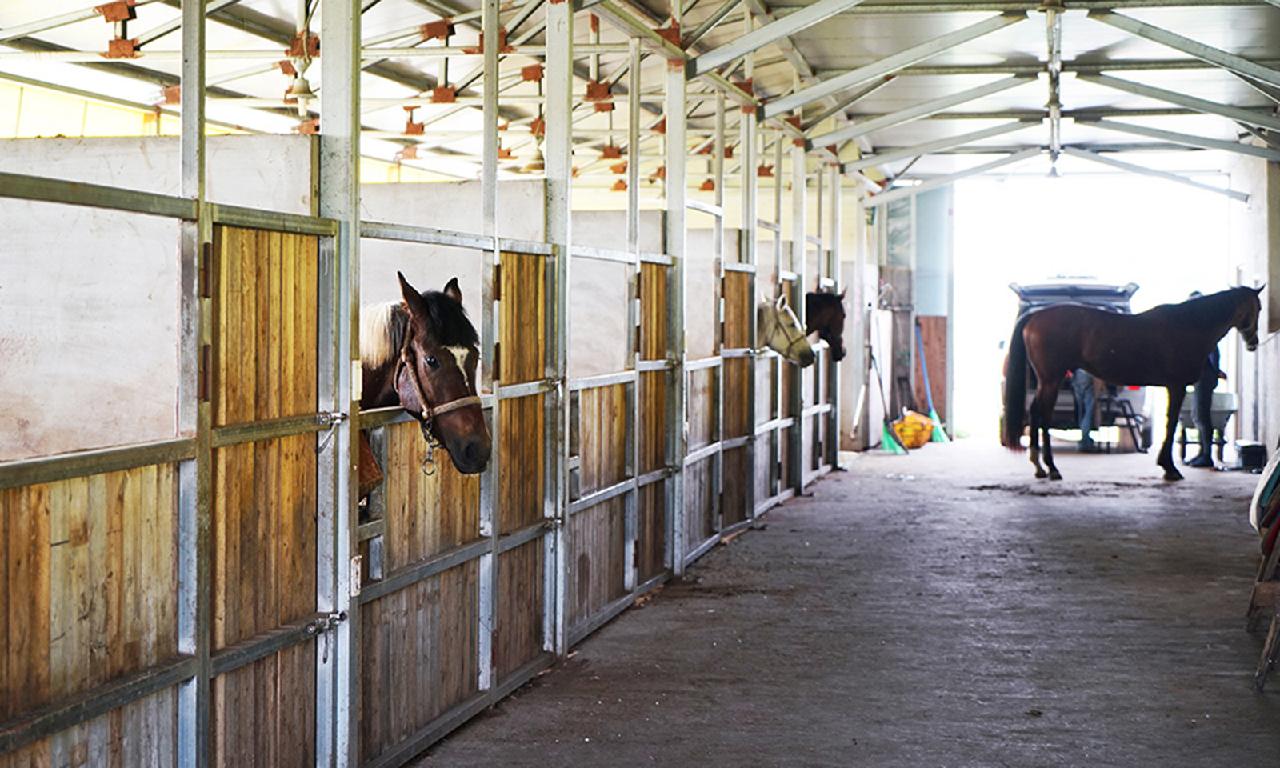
column 780, row 330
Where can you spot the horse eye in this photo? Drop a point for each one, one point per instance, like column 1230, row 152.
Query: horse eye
column 432, row 362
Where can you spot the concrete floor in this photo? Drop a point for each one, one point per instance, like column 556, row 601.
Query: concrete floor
column 941, row 609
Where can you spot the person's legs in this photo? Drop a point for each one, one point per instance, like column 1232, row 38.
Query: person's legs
column 1202, row 413
column 1082, row 387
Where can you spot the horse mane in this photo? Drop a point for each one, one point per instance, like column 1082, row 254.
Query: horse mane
column 824, row 298
column 383, row 327
column 1214, row 306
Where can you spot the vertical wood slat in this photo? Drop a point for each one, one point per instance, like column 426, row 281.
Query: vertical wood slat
column 88, row 594
column 597, row 563
column 418, row 657
column 265, row 328
column 651, row 523
column 425, row 514
column 522, row 358
column 518, row 633
column 602, row 442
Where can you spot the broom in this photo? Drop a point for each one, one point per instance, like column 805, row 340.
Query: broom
column 888, row 441
column 939, row 433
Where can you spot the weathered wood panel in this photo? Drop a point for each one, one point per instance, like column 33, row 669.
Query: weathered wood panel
column 737, row 478
column 264, row 713
column 425, row 514
column 933, row 330
column 653, row 312
column 699, row 503
column 264, row 506
column 738, row 308
column 517, row 638
column 418, row 657
column 88, row 592
column 597, row 563
column 701, row 404
column 653, row 421
column 737, row 398
column 766, row 392
column 265, row 325
column 602, row 437
column 521, row 358
column 651, row 531
column 766, row 458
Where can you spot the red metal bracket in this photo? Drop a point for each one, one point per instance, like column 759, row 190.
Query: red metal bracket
column 765, row 172
column 671, row 34
column 708, row 186
column 118, row 11
column 445, row 94
column 412, row 128
column 121, row 48
column 503, row 46
column 287, row 68
column 619, row 168
column 538, row 127
column 619, row 186
column 660, row 126
column 610, row 152
column 309, row 127
column 436, row 30
column 532, row 73
column 312, row 46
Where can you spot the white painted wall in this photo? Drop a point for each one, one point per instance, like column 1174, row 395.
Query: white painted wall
column 1254, row 246
column 88, row 298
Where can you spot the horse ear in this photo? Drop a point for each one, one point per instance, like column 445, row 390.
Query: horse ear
column 412, row 299
column 452, row 290
column 842, row 293
column 1258, row 290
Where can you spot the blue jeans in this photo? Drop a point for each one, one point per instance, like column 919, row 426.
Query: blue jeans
column 1082, row 386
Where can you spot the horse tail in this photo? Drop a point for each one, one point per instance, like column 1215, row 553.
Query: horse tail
column 1015, row 388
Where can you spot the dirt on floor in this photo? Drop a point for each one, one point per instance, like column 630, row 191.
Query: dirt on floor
column 938, row 609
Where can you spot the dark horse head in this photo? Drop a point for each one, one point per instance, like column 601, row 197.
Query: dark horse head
column 824, row 315
column 422, row 354
column 1245, row 320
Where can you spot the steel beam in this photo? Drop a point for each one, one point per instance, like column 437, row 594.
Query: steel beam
column 1187, row 139
column 758, row 38
column 710, row 22
column 1216, row 56
column 942, row 181
column 1085, row 154
column 918, row 111
column 844, row 102
column 890, row 64
column 1252, row 117
column 938, row 145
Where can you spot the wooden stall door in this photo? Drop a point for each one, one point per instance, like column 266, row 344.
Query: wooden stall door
column 739, row 470
column 264, row 506
column 518, row 631
column 651, row 533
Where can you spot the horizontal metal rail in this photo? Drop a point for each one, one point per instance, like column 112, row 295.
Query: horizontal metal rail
column 702, row 549
column 703, row 363
column 705, row 452
column 656, row 476
column 774, row 425
column 509, row 541
column 729, row 443
column 609, row 612
column 657, row 258
column 371, row 530
column 771, row 226
column 527, row 388
column 40, row 189
column 406, row 233
column 737, row 266
column 275, row 221
column 424, row 570
column 650, row 366
column 528, row 247
column 602, row 380
column 603, row 254
column 733, row 352
column 65, row 466
column 83, row 707
column 814, row 410
column 602, row 495
column 707, row 208
column 264, row 644
column 271, row 429
column 788, row 275
column 381, row 417
column 774, row 501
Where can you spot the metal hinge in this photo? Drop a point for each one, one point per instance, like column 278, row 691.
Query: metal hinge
column 329, row 420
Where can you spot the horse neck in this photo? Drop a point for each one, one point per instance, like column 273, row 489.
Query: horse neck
column 767, row 321
column 1215, row 314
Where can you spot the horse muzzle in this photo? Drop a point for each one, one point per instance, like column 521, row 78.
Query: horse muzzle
column 470, row 455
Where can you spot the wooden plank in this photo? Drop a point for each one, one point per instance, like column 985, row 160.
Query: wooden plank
column 933, row 330
column 651, row 532
column 518, row 634
column 699, row 503
column 701, row 407
column 737, row 478
column 597, row 559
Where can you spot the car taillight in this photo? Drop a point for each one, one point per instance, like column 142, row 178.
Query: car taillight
column 1132, row 388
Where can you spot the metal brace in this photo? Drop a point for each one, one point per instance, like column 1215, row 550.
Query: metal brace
column 330, row 421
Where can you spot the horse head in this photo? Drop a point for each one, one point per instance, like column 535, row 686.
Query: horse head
column 824, row 314
column 1245, row 319
column 780, row 331
column 435, row 374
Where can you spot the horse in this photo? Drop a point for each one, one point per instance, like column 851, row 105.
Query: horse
column 824, row 315
column 1165, row 346
column 780, row 331
column 421, row 354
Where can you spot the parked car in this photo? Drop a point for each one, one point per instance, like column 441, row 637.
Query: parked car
column 1119, row 403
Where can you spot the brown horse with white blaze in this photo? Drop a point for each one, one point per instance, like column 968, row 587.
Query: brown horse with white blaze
column 1165, row 346
column 421, row 354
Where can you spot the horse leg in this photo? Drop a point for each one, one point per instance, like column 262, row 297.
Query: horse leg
column 1165, row 460
column 1046, row 398
column 1033, row 429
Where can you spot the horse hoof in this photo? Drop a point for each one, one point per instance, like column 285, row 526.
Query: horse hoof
column 1055, row 475
column 1041, row 474
column 1172, row 475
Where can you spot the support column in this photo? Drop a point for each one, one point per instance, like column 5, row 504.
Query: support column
column 676, row 191
column 559, row 170
column 799, row 245
column 338, row 670
column 833, row 269
column 749, row 234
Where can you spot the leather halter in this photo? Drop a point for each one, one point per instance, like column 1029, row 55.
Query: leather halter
column 429, row 411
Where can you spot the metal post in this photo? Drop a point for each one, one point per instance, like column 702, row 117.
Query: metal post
column 338, row 672
column 717, row 253
column 193, row 416
column 747, row 254
column 630, row 577
column 833, row 367
column 489, row 500
column 799, row 245
column 779, row 366
column 676, row 191
column 559, row 162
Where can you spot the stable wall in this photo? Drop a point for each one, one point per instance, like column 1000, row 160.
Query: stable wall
column 88, row 290
column 1254, row 247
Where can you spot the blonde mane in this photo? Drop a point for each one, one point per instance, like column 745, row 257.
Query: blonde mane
column 382, row 328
